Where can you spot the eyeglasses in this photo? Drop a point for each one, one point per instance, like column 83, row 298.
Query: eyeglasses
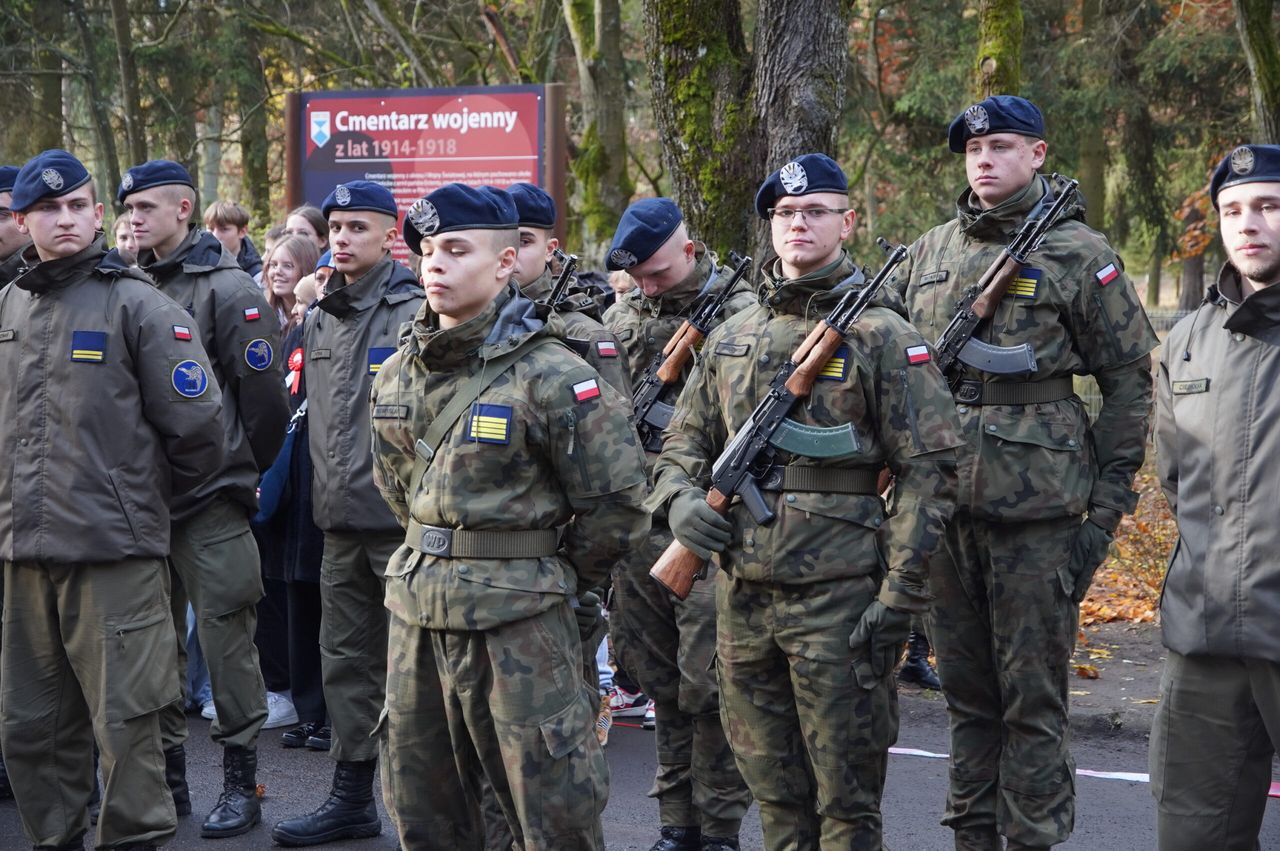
column 812, row 214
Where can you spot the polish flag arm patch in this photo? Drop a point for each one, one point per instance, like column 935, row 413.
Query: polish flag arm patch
column 918, row 354
column 584, row 390
column 181, row 332
column 252, row 313
column 607, row 348
column 1107, row 274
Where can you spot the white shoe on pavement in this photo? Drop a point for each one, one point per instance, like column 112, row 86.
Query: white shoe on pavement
column 207, row 710
column 627, row 704
column 650, row 717
column 280, row 711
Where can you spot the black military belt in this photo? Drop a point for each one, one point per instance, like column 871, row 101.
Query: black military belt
column 971, row 392
column 820, row 479
column 463, row 543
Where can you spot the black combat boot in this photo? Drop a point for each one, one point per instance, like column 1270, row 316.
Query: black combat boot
column 679, row 839
column 720, row 843
column 917, row 670
column 237, row 810
column 349, row 813
column 175, row 774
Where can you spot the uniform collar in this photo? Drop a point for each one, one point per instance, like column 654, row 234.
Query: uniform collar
column 344, row 298
column 674, row 301
column 156, row 268
column 1257, row 315
column 505, row 323
column 14, row 263
column 540, row 287
column 1002, row 221
column 812, row 295
column 50, row 275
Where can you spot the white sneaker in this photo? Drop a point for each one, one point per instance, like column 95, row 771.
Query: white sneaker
column 626, row 704
column 208, row 711
column 280, row 711
column 650, row 717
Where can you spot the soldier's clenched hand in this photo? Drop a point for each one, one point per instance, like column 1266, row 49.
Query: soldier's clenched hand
column 876, row 642
column 697, row 525
column 1088, row 551
column 588, row 613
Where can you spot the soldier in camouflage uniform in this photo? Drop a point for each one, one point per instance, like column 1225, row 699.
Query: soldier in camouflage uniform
column 812, row 609
column 591, row 340
column 480, row 594
column 1018, row 557
column 354, row 329
column 665, row 643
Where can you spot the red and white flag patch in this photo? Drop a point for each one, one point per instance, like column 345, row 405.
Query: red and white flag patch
column 607, row 348
column 181, row 332
column 584, row 390
column 1107, row 274
column 918, row 354
column 252, row 313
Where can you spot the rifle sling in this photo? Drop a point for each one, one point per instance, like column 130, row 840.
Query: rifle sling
column 805, row 477
column 973, row 392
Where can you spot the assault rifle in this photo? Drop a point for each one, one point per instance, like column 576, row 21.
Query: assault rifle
column 979, row 301
column 652, row 414
column 749, row 456
column 560, row 289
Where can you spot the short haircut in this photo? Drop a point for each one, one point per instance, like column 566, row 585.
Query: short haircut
column 506, row 238
column 225, row 213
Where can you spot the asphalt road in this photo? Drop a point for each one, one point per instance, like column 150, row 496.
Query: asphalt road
column 1111, row 815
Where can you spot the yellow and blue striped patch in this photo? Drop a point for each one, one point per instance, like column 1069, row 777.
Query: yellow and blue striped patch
column 489, row 424
column 1025, row 285
column 378, row 354
column 89, row 346
column 837, row 369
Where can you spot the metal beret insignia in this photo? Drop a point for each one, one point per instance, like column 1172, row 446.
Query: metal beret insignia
column 424, row 217
column 977, row 119
column 342, row 195
column 793, row 177
column 52, row 178
column 622, row 258
column 126, row 182
column 1242, row 160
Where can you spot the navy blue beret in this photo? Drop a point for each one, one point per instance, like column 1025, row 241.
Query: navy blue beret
column 996, row 114
column 49, row 174
column 536, row 208
column 360, row 195
column 8, row 174
column 642, row 230
column 456, row 206
column 1246, row 164
column 153, row 173
column 803, row 175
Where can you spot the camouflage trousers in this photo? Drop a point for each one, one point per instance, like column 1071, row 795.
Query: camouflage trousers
column 88, row 657
column 812, row 744
column 668, row 646
column 1003, row 629
column 353, row 637
column 214, row 563
column 517, row 712
column 1212, row 747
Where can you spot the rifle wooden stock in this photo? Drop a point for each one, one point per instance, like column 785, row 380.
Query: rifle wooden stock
column 995, row 283
column 811, row 358
column 678, row 351
column 678, row 567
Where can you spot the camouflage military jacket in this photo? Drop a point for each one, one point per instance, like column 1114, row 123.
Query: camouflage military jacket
column 108, row 410
column 644, row 325
column 1217, row 446
column 242, row 337
column 355, row 328
column 547, row 445
column 584, row 334
column 878, row 382
column 1080, row 313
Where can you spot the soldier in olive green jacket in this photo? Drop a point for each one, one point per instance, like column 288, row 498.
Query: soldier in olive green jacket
column 108, row 412
column 813, row 608
column 1018, row 558
column 665, row 643
column 517, row 496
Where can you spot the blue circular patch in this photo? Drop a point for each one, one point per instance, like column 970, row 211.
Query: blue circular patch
column 190, row 379
column 258, row 354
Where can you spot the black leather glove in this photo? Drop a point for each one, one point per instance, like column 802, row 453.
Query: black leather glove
column 697, row 525
column 588, row 613
column 876, row 642
column 1088, row 550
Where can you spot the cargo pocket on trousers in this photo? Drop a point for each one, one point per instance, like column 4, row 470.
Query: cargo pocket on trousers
column 139, row 667
column 568, row 728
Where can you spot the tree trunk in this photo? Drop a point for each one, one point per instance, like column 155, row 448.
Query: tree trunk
column 251, row 103
column 1255, row 23
column 1191, row 289
column 211, row 155
column 110, row 158
column 1093, row 144
column 46, row 117
column 999, row 67
column 600, row 168
column 135, row 131
column 700, row 76
column 1155, row 271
